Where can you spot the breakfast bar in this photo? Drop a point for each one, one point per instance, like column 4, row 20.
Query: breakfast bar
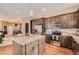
column 29, row 45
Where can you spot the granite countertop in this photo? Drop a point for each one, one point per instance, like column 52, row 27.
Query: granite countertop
column 27, row 39
column 75, row 36
column 21, row 40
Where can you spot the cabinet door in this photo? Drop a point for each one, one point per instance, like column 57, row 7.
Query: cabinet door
column 69, row 42
column 77, row 17
column 48, row 38
column 32, row 48
column 62, row 41
column 18, row 49
column 41, row 46
column 75, row 46
column 68, row 21
column 66, row 41
column 47, row 23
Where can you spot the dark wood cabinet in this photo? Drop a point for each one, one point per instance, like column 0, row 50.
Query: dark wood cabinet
column 68, row 20
column 37, row 22
column 48, row 38
column 26, row 28
column 75, row 45
column 63, row 21
column 69, row 42
column 77, row 18
column 65, row 41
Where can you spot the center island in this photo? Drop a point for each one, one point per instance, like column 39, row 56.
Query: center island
column 29, row 45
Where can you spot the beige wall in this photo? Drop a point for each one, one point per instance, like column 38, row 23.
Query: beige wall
column 10, row 26
column 25, row 20
column 0, row 26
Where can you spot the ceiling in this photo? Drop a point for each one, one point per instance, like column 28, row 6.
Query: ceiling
column 20, row 10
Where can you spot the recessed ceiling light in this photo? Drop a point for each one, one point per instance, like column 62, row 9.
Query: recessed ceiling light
column 31, row 13
column 44, row 9
column 39, row 16
column 18, row 12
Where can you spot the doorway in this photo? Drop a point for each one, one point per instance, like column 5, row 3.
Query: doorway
column 26, row 28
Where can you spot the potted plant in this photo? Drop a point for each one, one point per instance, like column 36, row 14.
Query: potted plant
column 1, row 40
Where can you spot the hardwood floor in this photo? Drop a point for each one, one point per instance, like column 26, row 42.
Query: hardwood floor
column 56, row 50
column 7, row 50
column 49, row 50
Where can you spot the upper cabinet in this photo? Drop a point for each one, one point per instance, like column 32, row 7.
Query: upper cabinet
column 77, row 17
column 37, row 22
column 48, row 23
column 68, row 20
column 63, row 21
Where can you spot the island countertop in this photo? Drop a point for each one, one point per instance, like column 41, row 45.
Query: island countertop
column 27, row 39
column 32, row 44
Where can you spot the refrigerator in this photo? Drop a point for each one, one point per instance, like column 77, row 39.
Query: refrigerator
column 39, row 29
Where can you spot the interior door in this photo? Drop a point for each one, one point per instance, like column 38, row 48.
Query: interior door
column 26, row 28
column 5, row 29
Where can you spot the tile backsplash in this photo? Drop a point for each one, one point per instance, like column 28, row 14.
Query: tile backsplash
column 49, row 31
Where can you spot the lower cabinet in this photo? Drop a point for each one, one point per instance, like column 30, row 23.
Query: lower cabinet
column 48, row 38
column 41, row 47
column 75, row 47
column 69, row 42
column 32, row 48
column 65, row 41
column 18, row 49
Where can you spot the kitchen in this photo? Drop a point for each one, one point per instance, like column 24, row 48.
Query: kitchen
column 57, row 34
column 60, row 29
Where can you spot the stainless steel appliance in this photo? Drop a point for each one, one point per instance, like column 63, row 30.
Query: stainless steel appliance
column 39, row 29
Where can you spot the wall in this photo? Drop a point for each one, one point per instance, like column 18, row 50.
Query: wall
column 25, row 20
column 0, row 26
column 10, row 27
